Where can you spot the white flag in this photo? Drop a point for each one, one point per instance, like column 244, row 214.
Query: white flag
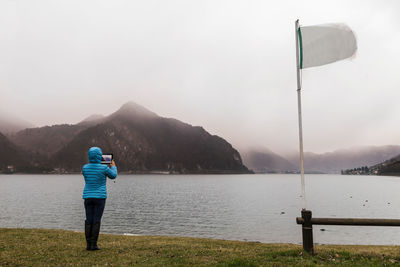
column 324, row 44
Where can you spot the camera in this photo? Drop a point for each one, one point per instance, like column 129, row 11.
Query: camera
column 106, row 158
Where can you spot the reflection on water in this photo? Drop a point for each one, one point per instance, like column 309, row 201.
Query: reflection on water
column 240, row 207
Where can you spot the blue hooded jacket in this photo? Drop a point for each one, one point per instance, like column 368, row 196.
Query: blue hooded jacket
column 96, row 174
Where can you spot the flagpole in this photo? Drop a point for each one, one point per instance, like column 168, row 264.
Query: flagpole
column 303, row 190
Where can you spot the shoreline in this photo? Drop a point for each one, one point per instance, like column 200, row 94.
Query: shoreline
column 204, row 238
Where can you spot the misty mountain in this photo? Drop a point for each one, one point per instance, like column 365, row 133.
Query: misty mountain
column 266, row 161
column 140, row 140
column 334, row 162
column 47, row 140
column 10, row 124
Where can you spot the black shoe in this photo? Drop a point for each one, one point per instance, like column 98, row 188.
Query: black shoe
column 94, row 236
column 88, row 230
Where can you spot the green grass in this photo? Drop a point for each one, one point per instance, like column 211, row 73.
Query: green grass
column 39, row 247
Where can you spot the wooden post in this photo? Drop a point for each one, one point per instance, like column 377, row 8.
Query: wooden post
column 308, row 243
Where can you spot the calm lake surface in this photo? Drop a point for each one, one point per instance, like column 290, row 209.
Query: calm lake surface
column 238, row 207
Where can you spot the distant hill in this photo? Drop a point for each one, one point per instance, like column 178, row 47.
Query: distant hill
column 10, row 154
column 10, row 124
column 334, row 162
column 14, row 159
column 389, row 167
column 46, row 140
column 141, row 141
column 266, row 161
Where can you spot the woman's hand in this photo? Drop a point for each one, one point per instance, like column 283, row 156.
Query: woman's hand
column 112, row 163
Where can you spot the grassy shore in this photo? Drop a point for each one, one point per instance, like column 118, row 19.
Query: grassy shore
column 39, row 247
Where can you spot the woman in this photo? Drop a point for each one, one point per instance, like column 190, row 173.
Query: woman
column 95, row 194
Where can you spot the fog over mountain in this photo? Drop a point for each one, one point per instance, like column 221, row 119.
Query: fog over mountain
column 141, row 141
column 92, row 119
column 266, row 161
column 10, row 123
column 335, row 161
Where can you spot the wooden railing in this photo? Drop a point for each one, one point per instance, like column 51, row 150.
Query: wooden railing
column 307, row 222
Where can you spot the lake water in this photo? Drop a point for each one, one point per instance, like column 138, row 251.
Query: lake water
column 238, row 207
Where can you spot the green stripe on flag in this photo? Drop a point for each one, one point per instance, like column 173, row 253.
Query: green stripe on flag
column 301, row 48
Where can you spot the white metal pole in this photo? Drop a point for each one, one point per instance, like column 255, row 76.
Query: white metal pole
column 303, row 189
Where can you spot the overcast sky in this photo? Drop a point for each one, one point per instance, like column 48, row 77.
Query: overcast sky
column 228, row 66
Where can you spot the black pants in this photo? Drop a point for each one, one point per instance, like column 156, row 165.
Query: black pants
column 94, row 208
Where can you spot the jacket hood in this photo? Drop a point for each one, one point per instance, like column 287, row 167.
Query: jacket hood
column 95, row 154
